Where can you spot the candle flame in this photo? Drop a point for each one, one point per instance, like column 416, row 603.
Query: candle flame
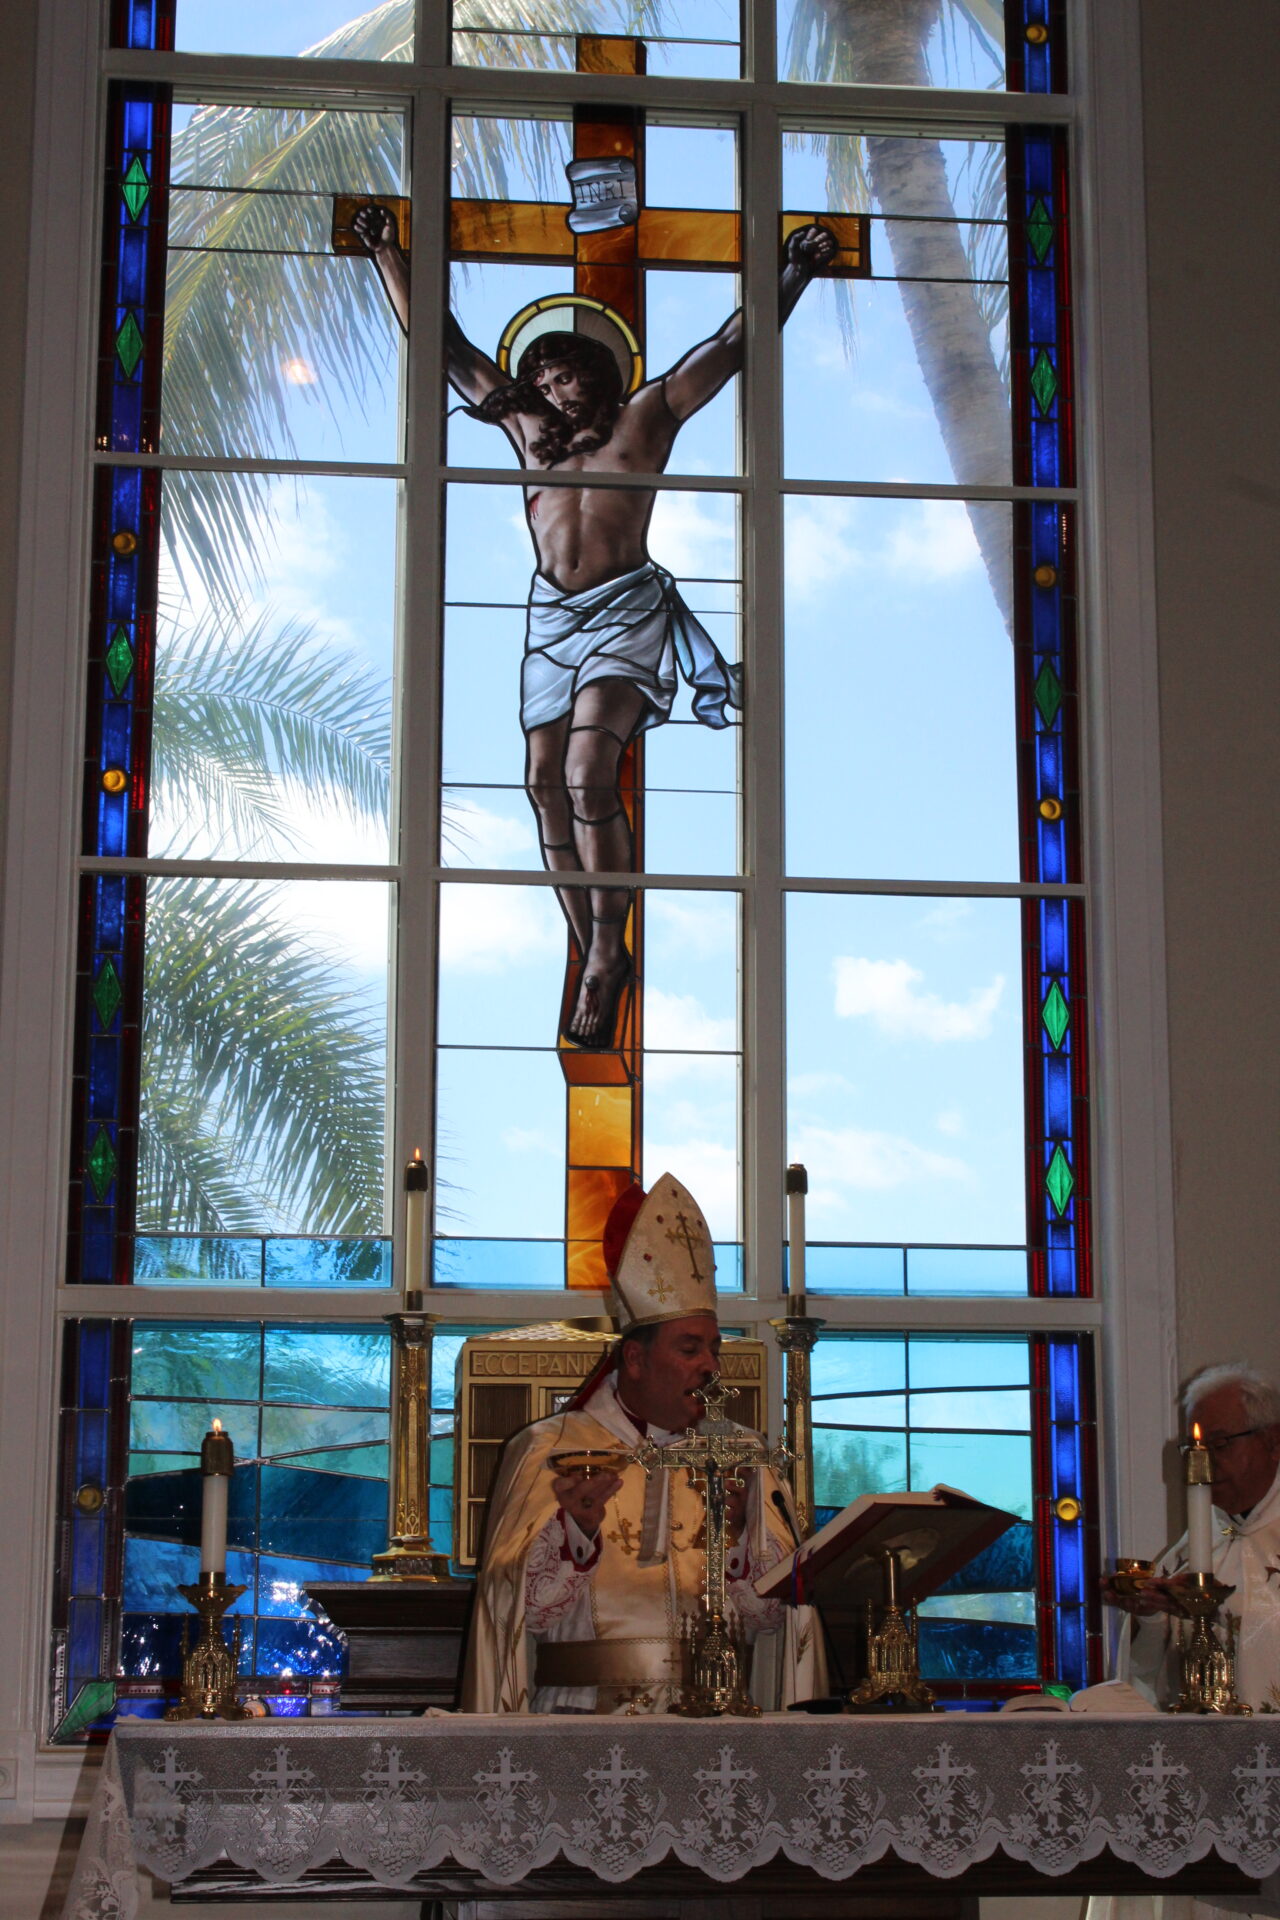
column 217, row 1426
column 1195, row 1433
column 417, row 1154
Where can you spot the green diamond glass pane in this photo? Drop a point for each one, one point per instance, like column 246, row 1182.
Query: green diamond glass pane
column 120, row 660
column 1059, row 1181
column 1039, row 230
column 1044, row 381
column 1056, row 1014
column 102, row 1163
column 129, row 346
column 1048, row 694
column 135, row 187
column 107, row 992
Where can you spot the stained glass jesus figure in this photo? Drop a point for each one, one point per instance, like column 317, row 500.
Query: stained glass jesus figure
column 607, row 627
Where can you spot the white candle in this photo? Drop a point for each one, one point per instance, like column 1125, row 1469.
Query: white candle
column 1198, row 1473
column 797, row 1187
column 415, row 1224
column 217, row 1463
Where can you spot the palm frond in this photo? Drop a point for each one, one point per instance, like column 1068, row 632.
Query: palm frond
column 268, row 1035
column 243, row 722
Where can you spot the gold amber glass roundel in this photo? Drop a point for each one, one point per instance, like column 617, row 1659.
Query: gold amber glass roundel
column 573, row 313
column 1051, row 809
column 114, row 780
column 124, row 543
column 1067, row 1508
column 1045, row 576
column 1037, row 33
column 89, row 1499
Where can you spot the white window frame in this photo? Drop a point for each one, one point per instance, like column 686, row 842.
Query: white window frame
column 1134, row 1308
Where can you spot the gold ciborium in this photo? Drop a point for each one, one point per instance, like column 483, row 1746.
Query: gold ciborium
column 209, row 1668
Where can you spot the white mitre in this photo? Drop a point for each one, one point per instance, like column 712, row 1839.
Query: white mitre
column 667, row 1269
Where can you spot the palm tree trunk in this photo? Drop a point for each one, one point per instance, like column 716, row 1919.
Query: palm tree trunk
column 886, row 42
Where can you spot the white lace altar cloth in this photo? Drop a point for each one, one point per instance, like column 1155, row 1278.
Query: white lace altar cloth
column 507, row 1794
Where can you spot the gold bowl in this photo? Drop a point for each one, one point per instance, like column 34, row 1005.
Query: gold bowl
column 591, row 1460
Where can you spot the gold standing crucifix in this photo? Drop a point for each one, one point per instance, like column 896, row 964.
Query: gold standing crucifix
column 716, row 1453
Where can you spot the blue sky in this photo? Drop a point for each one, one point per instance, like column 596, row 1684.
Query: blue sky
column 904, row 1027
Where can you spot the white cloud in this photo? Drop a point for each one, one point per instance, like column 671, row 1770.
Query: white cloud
column 529, row 1140
column 709, row 1170
column 943, row 921
column 691, row 536
column 487, row 839
column 801, row 1085
column 934, row 541
column 680, row 1021
column 829, row 540
column 820, row 549
column 951, row 1122
column 842, row 1160
column 487, row 929
column 888, row 992
column 696, row 926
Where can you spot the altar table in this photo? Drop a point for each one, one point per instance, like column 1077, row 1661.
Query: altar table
column 503, row 1798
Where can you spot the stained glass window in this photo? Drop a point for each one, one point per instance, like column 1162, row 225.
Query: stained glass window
column 637, row 728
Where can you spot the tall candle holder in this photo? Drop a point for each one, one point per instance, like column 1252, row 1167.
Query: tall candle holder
column 411, row 1554
column 209, row 1668
column 797, row 1335
column 1208, row 1663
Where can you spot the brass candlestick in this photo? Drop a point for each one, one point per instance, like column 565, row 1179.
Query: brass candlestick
column 411, row 1554
column 797, row 1335
column 893, row 1683
column 209, row 1668
column 1208, row 1663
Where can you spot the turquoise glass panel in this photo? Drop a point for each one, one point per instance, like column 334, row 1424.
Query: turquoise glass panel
column 991, row 1467
column 1006, row 1565
column 155, row 1569
column 327, row 1366
column 197, row 1362
column 321, row 1516
column 946, row 1361
column 282, row 1583
column 863, row 1410
column 464, row 1262
column 327, row 1263
column 981, row 1270
column 848, row 1464
column 295, row 1429
column 1015, row 1609
column 978, row 1650
column 179, row 1426
column 859, row 1365
column 854, row 1270
column 1008, row 1408
column 196, row 1260
column 362, row 1461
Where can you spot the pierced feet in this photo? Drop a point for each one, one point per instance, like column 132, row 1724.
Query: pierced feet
column 595, row 1012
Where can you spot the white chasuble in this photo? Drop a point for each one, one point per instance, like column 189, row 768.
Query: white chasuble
column 1246, row 1556
column 542, row 1583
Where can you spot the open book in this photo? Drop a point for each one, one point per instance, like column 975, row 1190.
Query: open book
column 936, row 1532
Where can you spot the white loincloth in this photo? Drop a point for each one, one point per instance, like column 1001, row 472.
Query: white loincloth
column 635, row 628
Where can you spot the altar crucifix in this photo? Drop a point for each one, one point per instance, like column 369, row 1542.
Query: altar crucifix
column 609, row 634
column 716, row 1453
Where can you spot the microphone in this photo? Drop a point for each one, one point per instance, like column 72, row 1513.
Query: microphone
column 785, row 1511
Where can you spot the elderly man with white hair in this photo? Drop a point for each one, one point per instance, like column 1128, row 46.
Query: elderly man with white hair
column 1238, row 1412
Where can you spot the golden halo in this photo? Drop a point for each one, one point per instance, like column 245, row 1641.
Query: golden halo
column 573, row 313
